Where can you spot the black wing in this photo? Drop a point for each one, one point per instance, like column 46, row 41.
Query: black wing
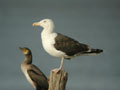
column 38, row 77
column 69, row 45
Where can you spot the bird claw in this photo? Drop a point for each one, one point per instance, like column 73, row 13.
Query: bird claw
column 56, row 70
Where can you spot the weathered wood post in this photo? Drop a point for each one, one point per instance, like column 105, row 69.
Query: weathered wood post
column 57, row 81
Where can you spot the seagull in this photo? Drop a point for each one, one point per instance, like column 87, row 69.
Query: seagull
column 33, row 74
column 62, row 46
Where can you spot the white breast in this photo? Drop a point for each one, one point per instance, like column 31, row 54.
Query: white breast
column 48, row 41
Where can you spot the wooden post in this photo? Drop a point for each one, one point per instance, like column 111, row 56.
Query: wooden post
column 57, row 81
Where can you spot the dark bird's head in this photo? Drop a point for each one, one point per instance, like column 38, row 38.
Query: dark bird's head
column 25, row 51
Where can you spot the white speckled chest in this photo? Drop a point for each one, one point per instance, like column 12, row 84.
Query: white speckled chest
column 24, row 70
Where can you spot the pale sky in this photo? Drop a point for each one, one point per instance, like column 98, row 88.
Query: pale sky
column 93, row 22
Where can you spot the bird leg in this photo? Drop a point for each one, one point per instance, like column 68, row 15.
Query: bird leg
column 61, row 65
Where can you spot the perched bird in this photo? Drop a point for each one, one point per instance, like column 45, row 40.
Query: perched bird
column 32, row 73
column 62, row 46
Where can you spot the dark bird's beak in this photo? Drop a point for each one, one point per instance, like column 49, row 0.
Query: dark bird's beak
column 20, row 48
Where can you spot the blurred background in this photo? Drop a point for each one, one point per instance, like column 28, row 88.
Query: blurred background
column 93, row 22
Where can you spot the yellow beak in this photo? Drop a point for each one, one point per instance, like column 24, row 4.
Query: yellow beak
column 36, row 24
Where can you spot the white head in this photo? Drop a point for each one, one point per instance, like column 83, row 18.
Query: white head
column 45, row 23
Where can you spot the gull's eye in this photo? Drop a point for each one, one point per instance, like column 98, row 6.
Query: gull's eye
column 44, row 21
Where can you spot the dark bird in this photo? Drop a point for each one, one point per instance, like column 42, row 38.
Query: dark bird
column 62, row 46
column 33, row 74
